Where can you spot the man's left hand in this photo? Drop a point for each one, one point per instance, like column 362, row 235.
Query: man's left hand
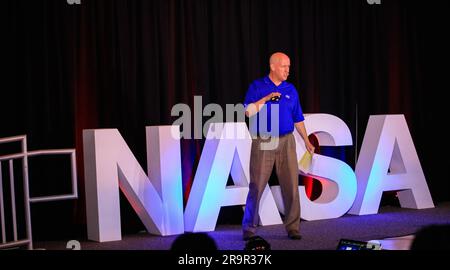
column 309, row 147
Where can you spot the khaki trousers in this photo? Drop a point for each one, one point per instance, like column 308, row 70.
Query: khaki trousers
column 284, row 158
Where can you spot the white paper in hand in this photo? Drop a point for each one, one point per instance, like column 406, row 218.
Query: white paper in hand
column 305, row 162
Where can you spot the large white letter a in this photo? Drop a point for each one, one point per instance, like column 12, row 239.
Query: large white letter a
column 388, row 161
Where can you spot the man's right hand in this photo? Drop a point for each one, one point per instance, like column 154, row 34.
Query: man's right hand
column 271, row 95
column 253, row 108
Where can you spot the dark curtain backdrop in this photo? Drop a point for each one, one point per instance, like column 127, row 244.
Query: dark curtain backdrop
column 124, row 64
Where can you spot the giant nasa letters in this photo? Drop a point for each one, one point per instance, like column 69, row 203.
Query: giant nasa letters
column 387, row 162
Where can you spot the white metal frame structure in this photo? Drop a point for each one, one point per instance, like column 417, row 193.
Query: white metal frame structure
column 25, row 154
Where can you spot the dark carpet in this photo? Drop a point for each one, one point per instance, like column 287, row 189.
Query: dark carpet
column 317, row 235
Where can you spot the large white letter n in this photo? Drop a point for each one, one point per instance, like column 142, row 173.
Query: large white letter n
column 110, row 164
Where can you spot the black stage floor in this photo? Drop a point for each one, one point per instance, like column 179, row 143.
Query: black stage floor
column 317, row 235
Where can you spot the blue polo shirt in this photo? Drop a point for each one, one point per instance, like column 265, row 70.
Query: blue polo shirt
column 288, row 106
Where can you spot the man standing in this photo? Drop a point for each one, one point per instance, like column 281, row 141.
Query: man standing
column 273, row 94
